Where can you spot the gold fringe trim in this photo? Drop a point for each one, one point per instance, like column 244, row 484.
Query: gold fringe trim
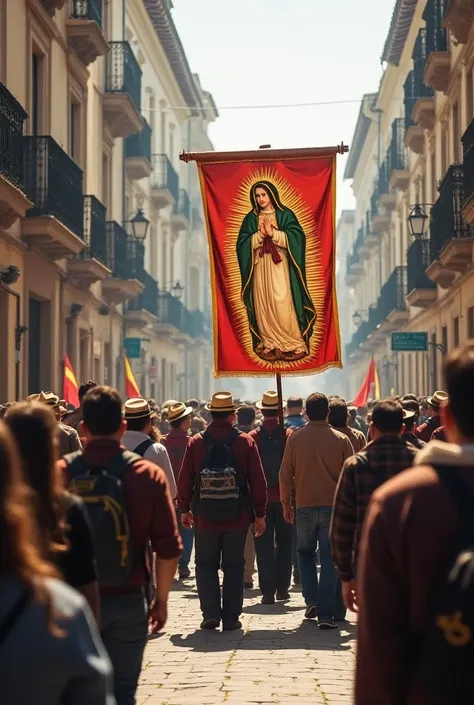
column 298, row 373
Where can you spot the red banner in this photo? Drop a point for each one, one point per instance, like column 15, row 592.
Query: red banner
column 271, row 228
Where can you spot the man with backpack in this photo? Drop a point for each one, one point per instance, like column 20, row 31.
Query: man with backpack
column 416, row 568
column 274, row 546
column 139, row 417
column 222, row 483
column 129, row 507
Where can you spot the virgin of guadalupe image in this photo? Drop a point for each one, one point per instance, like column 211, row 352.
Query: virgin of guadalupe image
column 271, row 250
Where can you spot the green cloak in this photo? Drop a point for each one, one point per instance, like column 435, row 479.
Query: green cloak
column 288, row 223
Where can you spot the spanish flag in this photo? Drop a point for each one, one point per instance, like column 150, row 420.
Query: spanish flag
column 131, row 387
column 70, row 386
column 370, row 388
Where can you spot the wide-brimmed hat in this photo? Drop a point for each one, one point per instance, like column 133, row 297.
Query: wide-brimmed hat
column 48, row 398
column 137, row 408
column 269, row 401
column 168, row 403
column 221, row 401
column 438, row 399
column 408, row 414
column 178, row 411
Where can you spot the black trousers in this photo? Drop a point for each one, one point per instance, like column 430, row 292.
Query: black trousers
column 214, row 549
column 274, row 552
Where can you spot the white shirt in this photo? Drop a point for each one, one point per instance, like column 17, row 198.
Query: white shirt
column 156, row 453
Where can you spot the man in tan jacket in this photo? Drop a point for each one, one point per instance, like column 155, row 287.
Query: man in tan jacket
column 312, row 462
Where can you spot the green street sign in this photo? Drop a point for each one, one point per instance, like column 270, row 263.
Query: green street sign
column 133, row 347
column 405, row 341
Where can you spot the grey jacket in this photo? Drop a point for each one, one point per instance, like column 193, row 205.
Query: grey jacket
column 41, row 668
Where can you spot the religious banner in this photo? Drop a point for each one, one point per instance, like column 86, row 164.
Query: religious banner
column 270, row 218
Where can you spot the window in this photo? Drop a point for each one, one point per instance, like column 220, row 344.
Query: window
column 470, row 322
column 444, row 339
column 106, row 183
column 37, row 64
column 456, row 332
column 469, row 97
column 164, row 260
column 35, row 322
column 434, row 189
column 456, row 136
column 444, row 151
column 75, row 131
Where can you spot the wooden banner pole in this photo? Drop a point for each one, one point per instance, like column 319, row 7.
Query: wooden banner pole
column 256, row 154
column 281, row 419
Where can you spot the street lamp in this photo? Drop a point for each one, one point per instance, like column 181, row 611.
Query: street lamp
column 177, row 290
column 140, row 224
column 417, row 221
column 357, row 317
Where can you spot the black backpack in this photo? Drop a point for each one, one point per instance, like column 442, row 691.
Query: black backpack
column 447, row 656
column 101, row 490
column 220, row 484
column 270, row 447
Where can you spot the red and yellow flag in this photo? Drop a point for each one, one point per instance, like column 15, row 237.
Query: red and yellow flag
column 370, row 388
column 270, row 219
column 70, row 386
column 131, row 387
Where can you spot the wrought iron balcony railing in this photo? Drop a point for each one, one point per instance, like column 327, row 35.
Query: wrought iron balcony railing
column 196, row 324
column 468, row 160
column 95, row 219
column 447, row 221
column 123, row 72
column 359, row 241
column 436, row 34
column 12, row 117
column 393, row 293
column 148, row 299
column 87, row 10
column 139, row 144
column 164, row 175
column 415, row 87
column 183, row 206
column 352, row 258
column 116, row 255
column 170, row 310
column 359, row 337
column 136, row 257
column 53, row 182
column 397, row 154
column 418, row 261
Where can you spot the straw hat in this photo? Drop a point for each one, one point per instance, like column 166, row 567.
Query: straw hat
column 269, row 401
column 408, row 414
column 48, row 398
column 221, row 401
column 137, row 409
column 178, row 411
column 168, row 403
column 438, row 400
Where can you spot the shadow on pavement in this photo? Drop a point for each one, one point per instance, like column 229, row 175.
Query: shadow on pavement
column 277, row 608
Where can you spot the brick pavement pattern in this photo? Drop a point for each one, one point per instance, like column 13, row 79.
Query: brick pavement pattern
column 278, row 657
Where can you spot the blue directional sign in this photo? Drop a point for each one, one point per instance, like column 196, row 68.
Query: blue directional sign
column 133, row 347
column 409, row 341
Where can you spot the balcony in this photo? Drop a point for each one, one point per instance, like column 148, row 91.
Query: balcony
column 423, row 113
column 380, row 219
column 438, row 63
column 450, row 236
column 196, row 325
column 361, row 248
column 143, row 309
column 414, row 134
column 52, row 5
column 459, row 18
column 387, row 194
column 53, row 183
column 359, row 339
column 164, row 182
column 138, row 154
column 181, row 216
column 422, row 292
column 13, row 202
column 392, row 310
column 171, row 317
column 354, row 267
column 89, row 265
column 119, row 287
column 371, row 238
column 468, row 164
column 122, row 97
column 397, row 158
column 84, row 30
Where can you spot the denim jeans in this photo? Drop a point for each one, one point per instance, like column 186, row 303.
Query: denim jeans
column 313, row 531
column 124, row 631
column 274, row 553
column 215, row 549
column 187, row 537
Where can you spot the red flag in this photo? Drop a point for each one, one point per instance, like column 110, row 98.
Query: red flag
column 270, row 222
column 370, row 388
column 131, row 387
column 70, row 386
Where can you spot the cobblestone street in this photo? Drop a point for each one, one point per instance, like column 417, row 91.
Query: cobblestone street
column 278, row 657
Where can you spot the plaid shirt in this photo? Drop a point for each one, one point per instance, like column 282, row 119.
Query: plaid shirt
column 361, row 475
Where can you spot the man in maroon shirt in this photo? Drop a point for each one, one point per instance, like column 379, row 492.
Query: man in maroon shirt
column 221, row 543
column 176, row 441
column 435, row 404
column 151, row 516
column 274, row 546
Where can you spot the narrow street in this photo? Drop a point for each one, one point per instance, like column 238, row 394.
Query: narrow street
column 278, row 657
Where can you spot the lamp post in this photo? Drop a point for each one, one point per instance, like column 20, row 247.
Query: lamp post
column 417, row 220
column 357, row 316
column 138, row 225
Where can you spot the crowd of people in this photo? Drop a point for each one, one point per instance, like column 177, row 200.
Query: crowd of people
column 101, row 508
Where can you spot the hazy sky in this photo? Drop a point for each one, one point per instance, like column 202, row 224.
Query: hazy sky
column 267, row 52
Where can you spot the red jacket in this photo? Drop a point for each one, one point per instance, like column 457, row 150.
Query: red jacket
column 149, row 507
column 269, row 425
column 176, row 443
column 248, row 462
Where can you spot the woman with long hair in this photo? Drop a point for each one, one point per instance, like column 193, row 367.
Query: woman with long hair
column 65, row 535
column 50, row 650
